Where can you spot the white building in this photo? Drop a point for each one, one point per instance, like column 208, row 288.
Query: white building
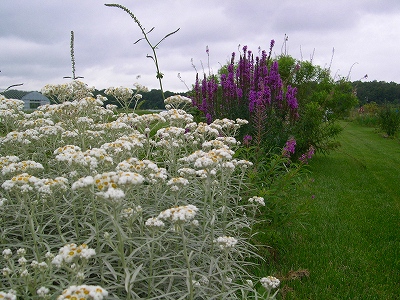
column 34, row 99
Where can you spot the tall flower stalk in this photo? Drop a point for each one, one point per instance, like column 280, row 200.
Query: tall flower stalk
column 145, row 37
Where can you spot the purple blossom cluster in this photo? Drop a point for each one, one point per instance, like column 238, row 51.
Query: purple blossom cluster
column 290, row 148
column 205, row 96
column 247, row 139
column 247, row 89
column 307, row 156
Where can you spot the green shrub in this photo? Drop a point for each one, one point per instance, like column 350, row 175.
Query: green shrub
column 389, row 120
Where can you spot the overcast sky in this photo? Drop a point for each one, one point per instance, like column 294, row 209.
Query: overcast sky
column 35, row 38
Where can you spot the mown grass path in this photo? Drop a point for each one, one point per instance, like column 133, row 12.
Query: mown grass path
column 350, row 241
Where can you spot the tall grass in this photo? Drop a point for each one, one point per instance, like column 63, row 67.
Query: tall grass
column 345, row 242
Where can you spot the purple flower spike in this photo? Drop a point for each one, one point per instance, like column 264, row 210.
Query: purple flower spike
column 272, row 44
column 209, row 118
column 291, row 98
column 247, row 139
column 289, row 148
column 306, row 156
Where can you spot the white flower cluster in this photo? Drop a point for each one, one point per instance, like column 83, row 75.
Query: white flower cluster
column 270, row 282
column 23, row 166
column 226, row 242
column 214, row 144
column 46, row 185
column 84, row 120
column 37, row 114
column 256, row 199
column 139, row 166
column 154, row 223
column 177, row 182
column 50, row 131
column 140, row 88
column 117, row 124
column 78, row 112
column 68, row 91
column 171, row 138
column 39, row 265
column 129, row 212
column 177, row 117
column 6, row 160
column 227, row 124
column 125, row 95
column 10, row 295
column 10, row 104
column 22, row 267
column 220, row 142
column 210, row 159
column 177, row 101
column 20, row 137
column 91, row 157
column 122, row 93
column 149, row 170
column 187, row 172
column 203, row 131
column 7, row 253
column 113, row 194
column 39, row 122
column 25, row 183
column 125, row 143
column 241, row 122
column 82, row 292
column 43, row 291
column 179, row 214
column 170, row 133
column 6, row 114
column 204, row 281
column 144, row 121
column 69, row 252
column 108, row 183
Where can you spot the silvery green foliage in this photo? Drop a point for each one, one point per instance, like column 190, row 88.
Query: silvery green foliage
column 154, row 201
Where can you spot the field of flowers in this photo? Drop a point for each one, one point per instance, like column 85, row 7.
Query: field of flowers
column 97, row 204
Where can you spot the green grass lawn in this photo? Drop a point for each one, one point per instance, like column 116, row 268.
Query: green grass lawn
column 345, row 241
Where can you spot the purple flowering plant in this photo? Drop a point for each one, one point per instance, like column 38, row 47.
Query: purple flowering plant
column 290, row 148
column 250, row 88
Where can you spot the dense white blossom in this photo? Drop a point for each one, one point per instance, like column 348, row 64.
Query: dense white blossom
column 154, row 223
column 42, row 291
column 179, row 214
column 226, row 242
column 259, row 200
column 10, row 295
column 69, row 252
column 177, row 101
column 23, row 166
column 89, row 292
column 270, row 282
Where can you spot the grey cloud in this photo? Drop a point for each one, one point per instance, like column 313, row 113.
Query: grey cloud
column 35, row 36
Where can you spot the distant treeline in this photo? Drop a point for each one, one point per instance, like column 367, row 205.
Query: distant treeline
column 379, row 92
column 151, row 100
column 14, row 94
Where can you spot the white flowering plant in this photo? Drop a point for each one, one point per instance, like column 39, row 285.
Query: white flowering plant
column 126, row 96
column 10, row 113
column 73, row 90
column 123, row 206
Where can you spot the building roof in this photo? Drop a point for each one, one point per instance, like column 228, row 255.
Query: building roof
column 14, row 94
column 35, row 96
